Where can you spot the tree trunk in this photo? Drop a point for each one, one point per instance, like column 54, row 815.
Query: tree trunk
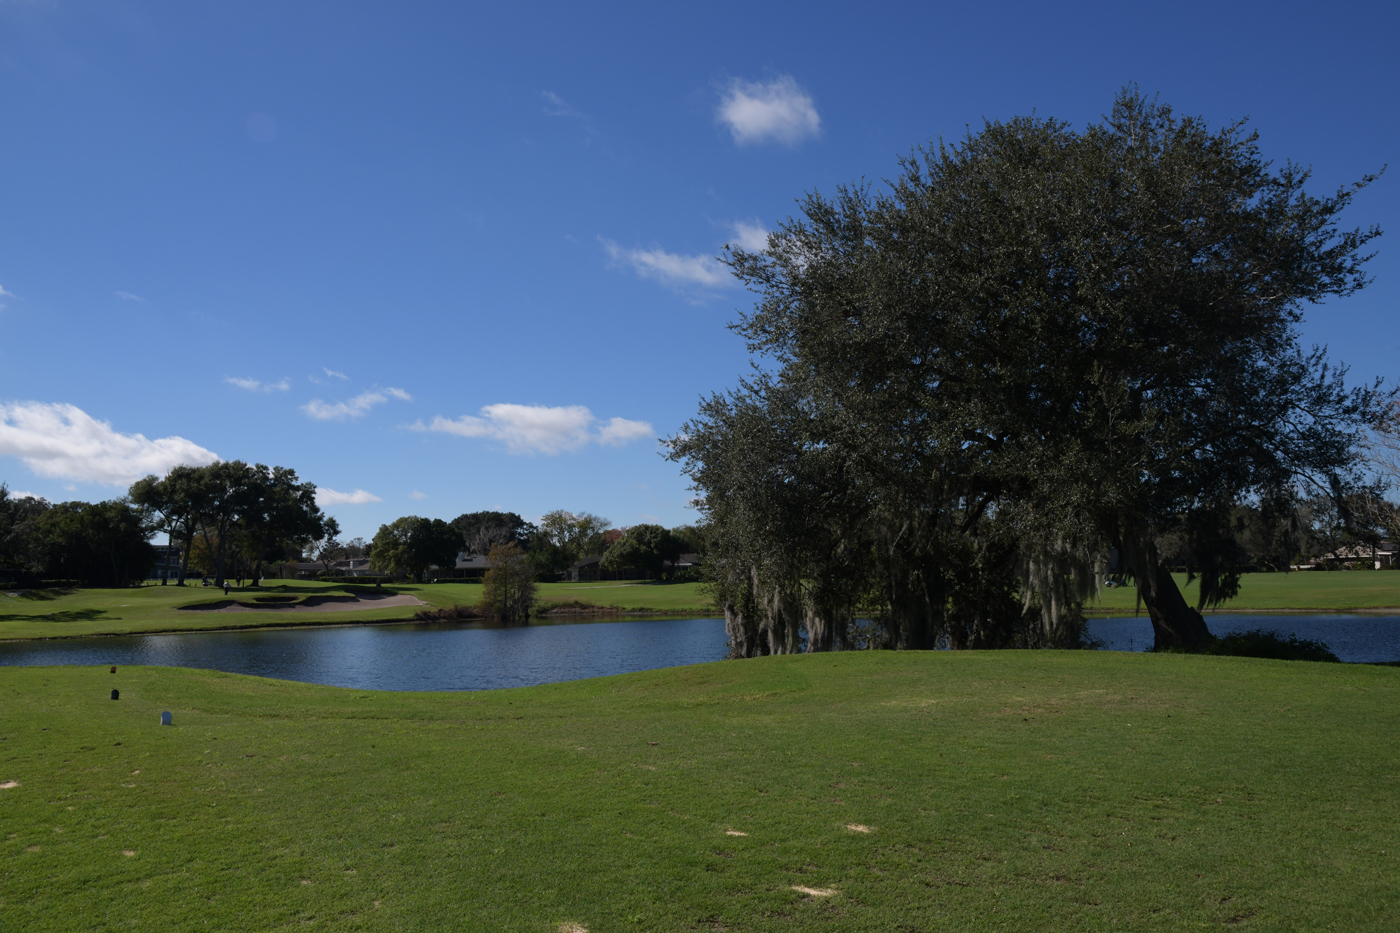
column 1174, row 623
column 185, row 559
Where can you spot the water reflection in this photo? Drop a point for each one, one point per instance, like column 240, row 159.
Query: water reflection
column 406, row 657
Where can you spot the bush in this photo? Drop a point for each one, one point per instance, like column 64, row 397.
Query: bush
column 450, row 614
column 1259, row 643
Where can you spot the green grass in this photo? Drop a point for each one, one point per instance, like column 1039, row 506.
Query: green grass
column 156, row 608
column 1327, row 591
column 1003, row 790
column 65, row 614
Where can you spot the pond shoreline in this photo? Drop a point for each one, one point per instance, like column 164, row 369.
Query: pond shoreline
column 270, row 626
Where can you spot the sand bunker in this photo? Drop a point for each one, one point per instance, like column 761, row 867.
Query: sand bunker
column 857, row 828
column 315, row 604
column 814, row 892
column 8, row 785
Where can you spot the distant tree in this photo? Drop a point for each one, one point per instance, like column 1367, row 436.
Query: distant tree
column 483, row 530
column 648, row 548
column 231, row 491
column 692, row 538
column 326, row 546
column 179, row 500
column 412, row 544
column 356, row 549
column 280, row 513
column 574, row 535
column 19, row 544
column 102, row 544
column 508, row 589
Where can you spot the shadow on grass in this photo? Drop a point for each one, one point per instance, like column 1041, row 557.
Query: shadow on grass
column 70, row 615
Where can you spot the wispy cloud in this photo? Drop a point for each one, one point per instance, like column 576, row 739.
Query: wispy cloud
column 21, row 494
column 417, row 495
column 670, row 268
column 3, row 295
column 255, row 385
column 127, row 296
column 326, row 496
column 540, row 428
column 335, row 375
column 63, row 440
column 356, row 407
column 556, row 106
column 774, row 111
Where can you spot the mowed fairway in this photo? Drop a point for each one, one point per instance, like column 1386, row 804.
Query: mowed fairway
column 1334, row 591
column 78, row 612
column 1000, row 791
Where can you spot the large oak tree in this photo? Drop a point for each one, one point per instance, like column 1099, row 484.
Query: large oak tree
column 1041, row 346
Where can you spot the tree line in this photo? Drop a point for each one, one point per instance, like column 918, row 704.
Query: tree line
column 1037, row 357
column 239, row 515
column 412, row 544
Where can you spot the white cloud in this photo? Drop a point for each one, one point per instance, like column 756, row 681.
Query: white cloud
column 355, row 408
column 671, row 268
column 326, row 496
column 620, row 431
column 749, row 235
column 417, row 495
column 778, row 111
column 63, row 440
column 21, row 494
column 540, row 428
column 3, row 295
column 253, row 385
column 335, row 375
column 127, row 296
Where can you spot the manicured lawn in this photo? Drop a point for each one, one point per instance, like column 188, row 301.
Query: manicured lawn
column 157, row 608
column 1324, row 590
column 1000, row 790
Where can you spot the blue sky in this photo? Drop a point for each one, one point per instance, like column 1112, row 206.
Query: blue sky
column 449, row 257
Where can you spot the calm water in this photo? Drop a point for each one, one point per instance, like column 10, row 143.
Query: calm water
column 439, row 657
column 406, row 657
column 1355, row 638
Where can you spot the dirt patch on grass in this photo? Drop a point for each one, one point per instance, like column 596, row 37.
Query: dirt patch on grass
column 314, row 604
column 7, row 785
column 814, row 892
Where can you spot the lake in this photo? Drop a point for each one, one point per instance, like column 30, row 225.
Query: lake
column 452, row 657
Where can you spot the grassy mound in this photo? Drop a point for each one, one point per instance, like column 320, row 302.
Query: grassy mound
column 863, row 791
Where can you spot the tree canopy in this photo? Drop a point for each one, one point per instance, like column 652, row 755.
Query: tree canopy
column 412, row 544
column 648, row 548
column 1034, row 354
